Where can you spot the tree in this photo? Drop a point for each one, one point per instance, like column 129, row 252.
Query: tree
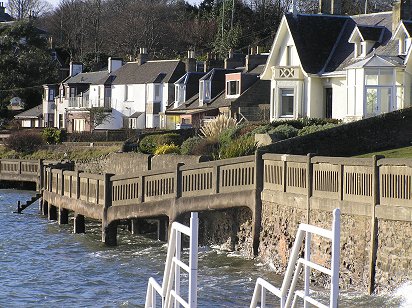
column 21, row 9
column 96, row 116
column 25, row 63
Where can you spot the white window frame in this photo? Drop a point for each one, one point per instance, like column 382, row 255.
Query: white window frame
column 51, row 95
column 282, row 94
column 228, row 88
column 157, row 88
column 205, row 87
column 180, row 93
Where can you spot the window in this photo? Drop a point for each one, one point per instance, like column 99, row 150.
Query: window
column 289, row 55
column 128, row 90
column 79, row 125
column 379, row 77
column 233, row 87
column 180, row 93
column 204, row 91
column 72, row 92
column 406, row 44
column 287, row 100
column 157, row 91
column 51, row 95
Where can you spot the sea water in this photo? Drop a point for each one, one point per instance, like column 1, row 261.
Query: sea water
column 43, row 264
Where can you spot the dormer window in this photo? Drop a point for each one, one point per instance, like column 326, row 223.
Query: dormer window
column 232, row 88
column 180, row 93
column 51, row 95
column 404, row 43
column 204, row 91
column 402, row 34
column 364, row 39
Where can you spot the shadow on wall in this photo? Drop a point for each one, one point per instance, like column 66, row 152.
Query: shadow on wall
column 390, row 130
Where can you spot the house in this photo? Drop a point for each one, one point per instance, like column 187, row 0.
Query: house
column 31, row 118
column 4, row 17
column 141, row 90
column 77, row 95
column 344, row 67
column 234, row 90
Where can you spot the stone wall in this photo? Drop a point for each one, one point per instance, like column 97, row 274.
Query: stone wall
column 166, row 161
column 279, row 227
column 394, row 254
column 230, row 229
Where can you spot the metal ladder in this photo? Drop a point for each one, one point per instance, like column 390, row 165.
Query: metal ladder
column 170, row 291
column 287, row 293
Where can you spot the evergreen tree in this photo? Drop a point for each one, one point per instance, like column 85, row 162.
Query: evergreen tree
column 25, row 63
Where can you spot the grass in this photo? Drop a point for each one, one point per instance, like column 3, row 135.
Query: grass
column 405, row 152
column 80, row 154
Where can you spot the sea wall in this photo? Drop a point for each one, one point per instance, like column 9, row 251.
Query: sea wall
column 279, row 227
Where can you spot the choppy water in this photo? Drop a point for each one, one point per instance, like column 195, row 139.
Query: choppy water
column 43, row 264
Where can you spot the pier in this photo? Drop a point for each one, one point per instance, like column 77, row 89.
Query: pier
column 374, row 196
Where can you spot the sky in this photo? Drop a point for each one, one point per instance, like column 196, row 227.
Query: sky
column 56, row 2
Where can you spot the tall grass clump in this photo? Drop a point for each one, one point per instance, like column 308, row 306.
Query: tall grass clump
column 212, row 130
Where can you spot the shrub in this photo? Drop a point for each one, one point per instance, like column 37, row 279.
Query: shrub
column 167, row 149
column 206, row 147
column 284, row 131
column 227, row 135
column 315, row 128
column 25, row 141
column 149, row 143
column 188, row 145
column 242, row 146
column 52, row 135
column 212, row 129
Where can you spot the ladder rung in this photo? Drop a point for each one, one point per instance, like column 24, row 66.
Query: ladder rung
column 316, row 266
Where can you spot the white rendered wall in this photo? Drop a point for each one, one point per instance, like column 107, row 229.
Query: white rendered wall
column 315, row 103
column 339, row 97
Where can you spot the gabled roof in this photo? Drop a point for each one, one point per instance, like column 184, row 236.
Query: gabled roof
column 190, row 78
column 322, row 41
column 32, row 113
column 87, row 78
column 167, row 71
column 218, row 74
column 4, row 16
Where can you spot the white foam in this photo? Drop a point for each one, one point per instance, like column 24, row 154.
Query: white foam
column 405, row 293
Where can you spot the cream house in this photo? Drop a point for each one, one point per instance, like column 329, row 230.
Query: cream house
column 344, row 67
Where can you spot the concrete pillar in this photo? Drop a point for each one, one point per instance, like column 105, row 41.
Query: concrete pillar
column 109, row 234
column 52, row 212
column 79, row 225
column 63, row 216
column 41, row 205
column 162, row 229
column 45, row 210
column 257, row 209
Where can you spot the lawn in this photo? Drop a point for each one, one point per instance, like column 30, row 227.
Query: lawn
column 405, row 152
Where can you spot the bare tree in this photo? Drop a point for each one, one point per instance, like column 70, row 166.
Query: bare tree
column 21, row 9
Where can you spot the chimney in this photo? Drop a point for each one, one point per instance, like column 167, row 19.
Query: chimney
column 142, row 57
column 2, row 8
column 114, row 64
column 253, row 61
column 232, row 62
column 331, row 7
column 190, row 62
column 401, row 10
column 75, row 68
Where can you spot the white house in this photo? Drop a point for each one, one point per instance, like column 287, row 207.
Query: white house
column 344, row 67
column 141, row 90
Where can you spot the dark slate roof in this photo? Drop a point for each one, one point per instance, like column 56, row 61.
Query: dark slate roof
column 408, row 26
column 167, row 71
column 4, row 16
column 34, row 112
column 315, row 37
column 88, row 78
column 371, row 33
column 218, row 74
column 258, row 69
column 322, row 40
column 190, row 78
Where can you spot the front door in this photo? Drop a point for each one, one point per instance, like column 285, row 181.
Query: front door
column 328, row 103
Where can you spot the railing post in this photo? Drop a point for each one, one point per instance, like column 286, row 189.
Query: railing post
column 41, row 175
column 178, row 180
column 109, row 229
column 257, row 211
column 215, row 179
column 77, row 185
column 374, row 223
column 309, row 181
column 140, row 189
column 61, row 182
column 19, row 168
column 285, row 173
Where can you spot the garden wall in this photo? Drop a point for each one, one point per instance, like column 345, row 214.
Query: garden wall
column 387, row 131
